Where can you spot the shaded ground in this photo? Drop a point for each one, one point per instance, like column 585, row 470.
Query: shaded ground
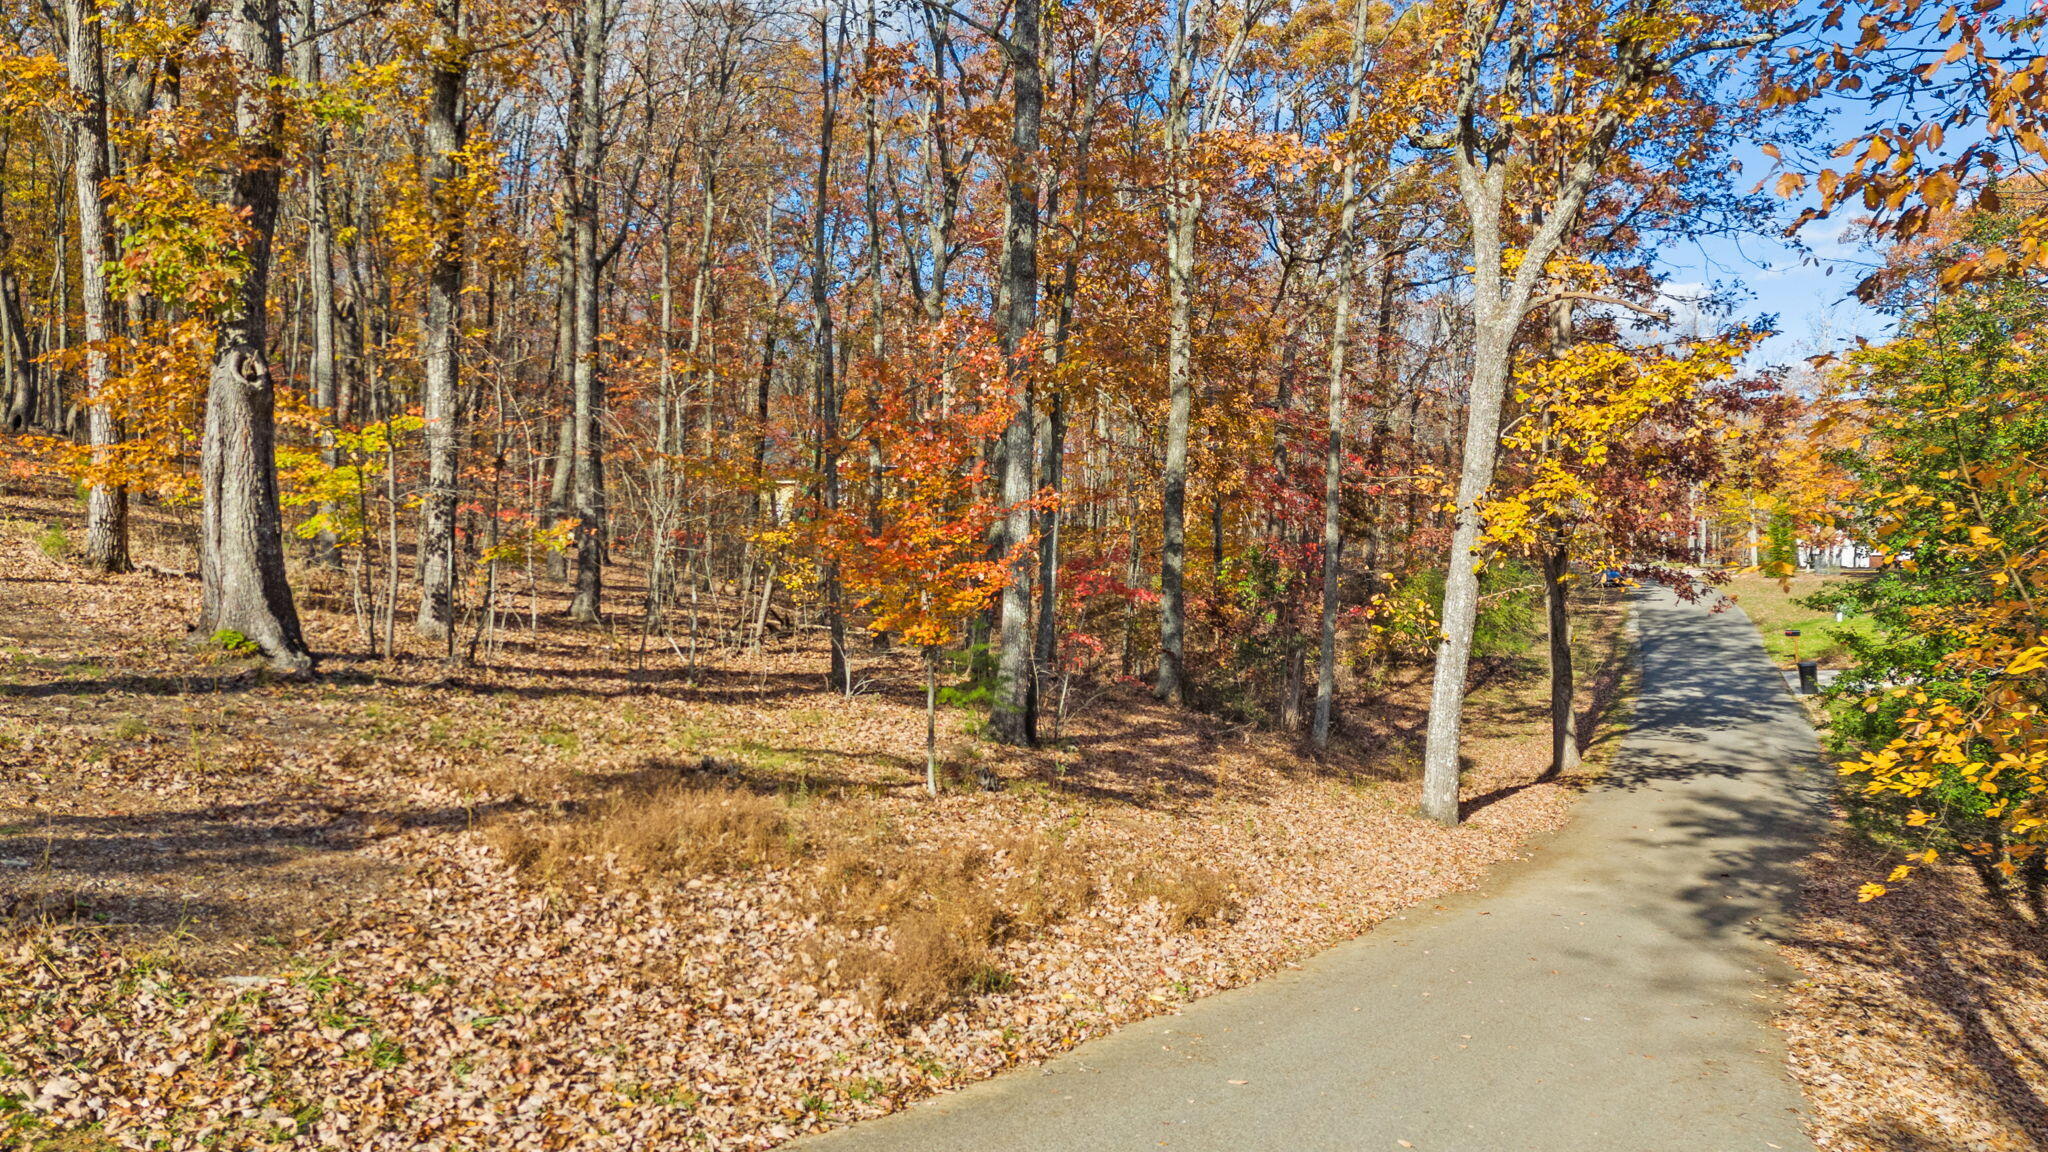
column 1918, row 1024
column 287, row 910
column 1922, row 1023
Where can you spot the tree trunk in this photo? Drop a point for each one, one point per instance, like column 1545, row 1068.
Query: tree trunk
column 320, row 273
column 106, row 507
column 1013, row 717
column 440, row 390
column 1333, row 531
column 823, row 375
column 1045, row 654
column 57, row 327
column 764, row 387
column 15, row 353
column 562, row 473
column 1564, row 723
column 1500, row 300
column 942, row 182
column 1383, row 415
column 590, row 38
column 1461, row 576
column 931, row 721
column 1333, row 460
column 1184, row 210
column 241, row 541
column 878, row 285
column 661, row 484
column 17, row 381
column 699, row 373
column 563, row 370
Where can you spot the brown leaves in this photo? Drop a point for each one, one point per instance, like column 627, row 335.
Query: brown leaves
column 1914, row 1025
column 1938, row 189
column 521, row 925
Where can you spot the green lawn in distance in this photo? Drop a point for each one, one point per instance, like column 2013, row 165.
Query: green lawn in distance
column 1774, row 608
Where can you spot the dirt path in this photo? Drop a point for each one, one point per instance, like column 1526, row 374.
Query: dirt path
column 1614, row 992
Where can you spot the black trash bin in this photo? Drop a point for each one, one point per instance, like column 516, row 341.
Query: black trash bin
column 1809, row 678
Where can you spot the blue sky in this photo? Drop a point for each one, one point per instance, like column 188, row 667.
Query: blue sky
column 1811, row 292
column 1808, row 285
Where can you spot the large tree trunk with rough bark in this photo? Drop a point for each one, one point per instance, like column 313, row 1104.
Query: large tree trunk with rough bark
column 1460, row 608
column 1184, row 211
column 1500, row 300
column 241, row 542
column 17, row 355
column 1013, row 717
column 440, row 393
column 1333, row 460
column 106, row 505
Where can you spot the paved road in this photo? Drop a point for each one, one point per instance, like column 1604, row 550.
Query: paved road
column 1612, row 993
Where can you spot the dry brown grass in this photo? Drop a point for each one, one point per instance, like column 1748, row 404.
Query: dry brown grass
column 676, row 827
column 913, row 933
column 909, row 931
column 934, row 956
column 1191, row 898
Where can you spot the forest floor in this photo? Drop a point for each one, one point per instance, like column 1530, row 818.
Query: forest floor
column 578, row 897
column 1921, row 1023
column 1613, row 992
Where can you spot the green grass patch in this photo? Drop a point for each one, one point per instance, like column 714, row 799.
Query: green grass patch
column 54, row 543
column 1775, row 606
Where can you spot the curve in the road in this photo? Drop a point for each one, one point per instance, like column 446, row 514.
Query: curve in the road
column 1613, row 992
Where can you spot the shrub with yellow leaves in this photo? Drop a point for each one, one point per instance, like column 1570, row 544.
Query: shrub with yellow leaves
column 1947, row 747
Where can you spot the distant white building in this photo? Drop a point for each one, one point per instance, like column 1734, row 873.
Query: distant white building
column 1842, row 552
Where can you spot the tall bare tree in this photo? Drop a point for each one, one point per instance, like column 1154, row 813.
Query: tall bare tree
column 590, row 28
column 1014, row 716
column 323, row 363
column 1193, row 24
column 831, row 58
column 1340, row 324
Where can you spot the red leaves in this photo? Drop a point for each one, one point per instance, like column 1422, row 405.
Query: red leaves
column 914, row 550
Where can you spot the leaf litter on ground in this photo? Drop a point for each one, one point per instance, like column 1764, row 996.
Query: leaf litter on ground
column 404, row 906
